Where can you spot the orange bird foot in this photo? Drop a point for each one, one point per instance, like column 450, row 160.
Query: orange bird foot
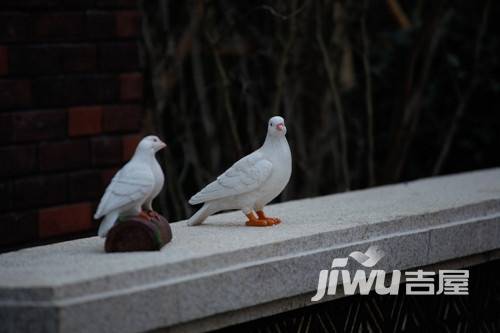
column 254, row 222
column 270, row 220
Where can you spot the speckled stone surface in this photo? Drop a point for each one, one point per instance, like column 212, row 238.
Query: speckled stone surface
column 225, row 267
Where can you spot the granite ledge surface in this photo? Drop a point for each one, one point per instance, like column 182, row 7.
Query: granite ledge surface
column 224, row 266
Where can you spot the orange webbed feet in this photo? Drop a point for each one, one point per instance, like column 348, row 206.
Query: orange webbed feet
column 253, row 221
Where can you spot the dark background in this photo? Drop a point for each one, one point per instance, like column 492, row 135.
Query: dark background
column 373, row 92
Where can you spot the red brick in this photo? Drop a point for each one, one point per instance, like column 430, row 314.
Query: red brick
column 117, row 3
column 128, row 23
column 29, row 4
column 107, row 175
column 15, row 26
column 79, row 58
column 18, row 227
column 32, row 125
column 130, row 142
column 65, row 219
column 84, row 120
column 65, row 155
column 52, row 58
column 131, row 87
column 15, row 93
column 38, row 59
column 77, row 3
column 18, row 160
column 124, row 118
column 86, row 185
column 123, row 56
column 75, row 90
column 106, row 151
column 101, row 25
column 40, row 191
column 65, row 26
column 4, row 61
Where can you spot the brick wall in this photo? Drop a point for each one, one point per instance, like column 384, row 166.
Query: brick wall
column 70, row 111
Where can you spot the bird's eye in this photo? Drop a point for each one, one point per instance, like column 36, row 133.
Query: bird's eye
column 155, row 140
column 271, row 124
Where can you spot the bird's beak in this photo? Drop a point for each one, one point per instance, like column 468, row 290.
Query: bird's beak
column 162, row 145
column 280, row 127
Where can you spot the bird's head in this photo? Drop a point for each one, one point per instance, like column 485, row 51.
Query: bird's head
column 276, row 126
column 151, row 144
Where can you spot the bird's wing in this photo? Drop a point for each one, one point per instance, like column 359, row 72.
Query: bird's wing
column 246, row 175
column 130, row 184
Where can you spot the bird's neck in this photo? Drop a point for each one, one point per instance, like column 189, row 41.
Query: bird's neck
column 274, row 143
column 142, row 155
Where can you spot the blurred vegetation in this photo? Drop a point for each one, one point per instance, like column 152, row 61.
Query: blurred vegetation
column 373, row 92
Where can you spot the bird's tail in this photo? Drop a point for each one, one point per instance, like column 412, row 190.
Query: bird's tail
column 201, row 215
column 107, row 223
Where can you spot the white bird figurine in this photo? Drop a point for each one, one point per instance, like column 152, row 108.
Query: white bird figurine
column 134, row 186
column 250, row 183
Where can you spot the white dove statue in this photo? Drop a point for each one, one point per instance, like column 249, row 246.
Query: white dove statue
column 250, row 183
column 134, row 186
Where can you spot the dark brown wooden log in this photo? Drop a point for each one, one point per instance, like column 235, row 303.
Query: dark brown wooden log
column 139, row 234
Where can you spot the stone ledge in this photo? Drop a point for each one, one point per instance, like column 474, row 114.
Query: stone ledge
column 224, row 269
